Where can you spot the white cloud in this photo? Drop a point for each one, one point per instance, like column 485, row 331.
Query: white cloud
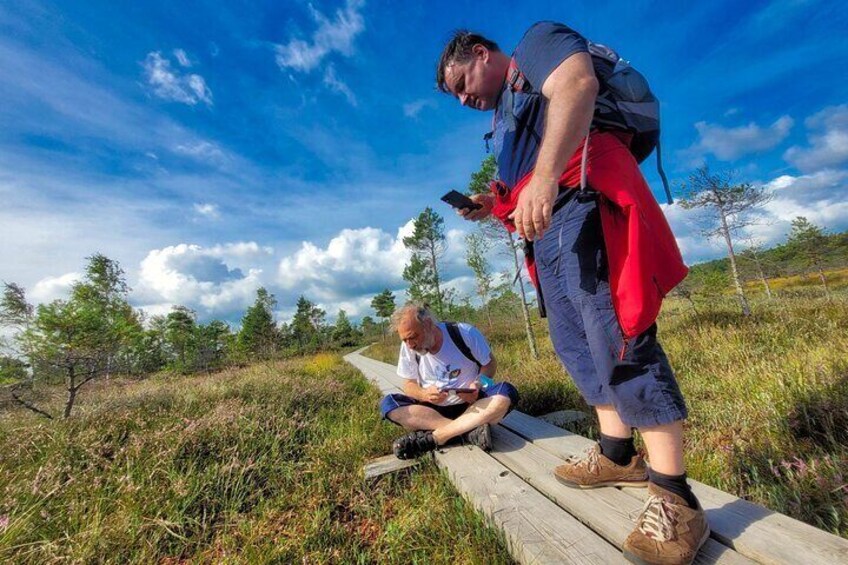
column 240, row 250
column 335, row 35
column 182, row 58
column 354, row 262
column 171, row 85
column 337, row 85
column 198, row 278
column 728, row 144
column 49, row 289
column 828, row 137
column 207, row 210
column 412, row 109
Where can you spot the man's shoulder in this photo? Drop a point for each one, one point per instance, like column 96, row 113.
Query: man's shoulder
column 542, row 30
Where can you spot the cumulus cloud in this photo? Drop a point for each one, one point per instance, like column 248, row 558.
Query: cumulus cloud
column 334, row 35
column 412, row 109
column 207, row 210
column 49, row 289
column 354, row 262
column 828, row 138
column 198, row 278
column 170, row 84
column 337, row 85
column 728, row 144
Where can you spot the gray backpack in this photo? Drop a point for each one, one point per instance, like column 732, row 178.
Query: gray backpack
column 624, row 102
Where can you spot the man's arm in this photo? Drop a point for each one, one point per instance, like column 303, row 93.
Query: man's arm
column 571, row 90
column 490, row 368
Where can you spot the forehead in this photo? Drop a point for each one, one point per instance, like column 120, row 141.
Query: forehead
column 409, row 326
column 453, row 73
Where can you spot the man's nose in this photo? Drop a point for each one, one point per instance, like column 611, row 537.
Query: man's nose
column 463, row 98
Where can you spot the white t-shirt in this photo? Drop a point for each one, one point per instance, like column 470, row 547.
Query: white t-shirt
column 449, row 366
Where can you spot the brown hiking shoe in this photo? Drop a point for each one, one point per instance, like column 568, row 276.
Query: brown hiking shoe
column 667, row 532
column 595, row 470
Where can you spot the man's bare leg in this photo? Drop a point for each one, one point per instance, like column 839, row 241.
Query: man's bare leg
column 663, row 443
column 610, row 422
column 416, row 417
column 486, row 411
column 665, row 448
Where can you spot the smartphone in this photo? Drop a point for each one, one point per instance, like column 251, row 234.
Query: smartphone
column 460, row 201
column 454, row 389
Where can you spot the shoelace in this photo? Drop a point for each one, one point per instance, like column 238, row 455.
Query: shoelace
column 656, row 519
column 591, row 460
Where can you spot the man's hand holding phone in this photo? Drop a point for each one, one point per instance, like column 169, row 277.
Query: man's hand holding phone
column 475, row 208
column 469, row 397
column 434, row 395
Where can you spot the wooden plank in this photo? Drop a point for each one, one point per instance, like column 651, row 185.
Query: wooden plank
column 537, row 531
column 752, row 530
column 608, row 511
column 386, row 464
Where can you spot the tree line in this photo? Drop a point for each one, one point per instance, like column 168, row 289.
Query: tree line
column 95, row 333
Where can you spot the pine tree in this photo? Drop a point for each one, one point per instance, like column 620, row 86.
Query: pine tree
column 476, row 247
column 384, row 305
column 344, row 334
column 492, row 228
column 812, row 243
column 427, row 244
column 726, row 207
column 258, row 335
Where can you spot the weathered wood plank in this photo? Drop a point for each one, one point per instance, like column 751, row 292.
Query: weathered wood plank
column 386, row 464
column 752, row 530
column 608, row 511
column 536, row 529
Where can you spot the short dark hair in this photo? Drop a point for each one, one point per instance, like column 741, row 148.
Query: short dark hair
column 458, row 50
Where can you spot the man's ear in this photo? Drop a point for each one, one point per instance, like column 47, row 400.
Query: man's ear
column 479, row 50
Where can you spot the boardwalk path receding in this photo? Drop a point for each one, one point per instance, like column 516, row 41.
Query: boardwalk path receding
column 545, row 522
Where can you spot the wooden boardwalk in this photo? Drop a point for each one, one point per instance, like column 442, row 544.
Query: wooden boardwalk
column 545, row 522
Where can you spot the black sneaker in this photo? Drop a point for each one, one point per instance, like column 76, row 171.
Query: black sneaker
column 414, row 444
column 481, row 436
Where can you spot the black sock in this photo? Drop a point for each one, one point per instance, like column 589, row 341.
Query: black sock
column 619, row 450
column 676, row 484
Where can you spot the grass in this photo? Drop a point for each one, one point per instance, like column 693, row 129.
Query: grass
column 768, row 396
column 254, row 465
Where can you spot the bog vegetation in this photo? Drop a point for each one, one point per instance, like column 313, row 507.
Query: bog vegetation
column 169, row 438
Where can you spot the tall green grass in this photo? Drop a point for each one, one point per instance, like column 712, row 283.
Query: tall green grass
column 255, row 465
column 767, row 395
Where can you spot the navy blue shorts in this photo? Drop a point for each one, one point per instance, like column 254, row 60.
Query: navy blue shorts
column 394, row 401
column 637, row 379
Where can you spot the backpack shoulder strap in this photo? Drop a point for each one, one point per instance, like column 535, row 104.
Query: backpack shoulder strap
column 515, row 78
column 456, row 337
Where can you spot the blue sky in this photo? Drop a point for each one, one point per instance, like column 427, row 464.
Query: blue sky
column 214, row 148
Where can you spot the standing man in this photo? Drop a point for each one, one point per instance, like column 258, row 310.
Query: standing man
column 442, row 397
column 603, row 262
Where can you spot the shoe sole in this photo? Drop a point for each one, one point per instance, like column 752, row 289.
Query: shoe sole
column 633, row 558
column 486, row 439
column 634, row 484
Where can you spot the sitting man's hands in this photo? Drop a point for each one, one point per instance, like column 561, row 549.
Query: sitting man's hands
column 470, row 397
column 433, row 395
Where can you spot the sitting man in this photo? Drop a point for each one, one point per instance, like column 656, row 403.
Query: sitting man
column 440, row 361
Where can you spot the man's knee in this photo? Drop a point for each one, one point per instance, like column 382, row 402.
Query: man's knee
column 504, row 394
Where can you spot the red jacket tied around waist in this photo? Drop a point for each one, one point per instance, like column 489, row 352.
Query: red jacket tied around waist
column 643, row 257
